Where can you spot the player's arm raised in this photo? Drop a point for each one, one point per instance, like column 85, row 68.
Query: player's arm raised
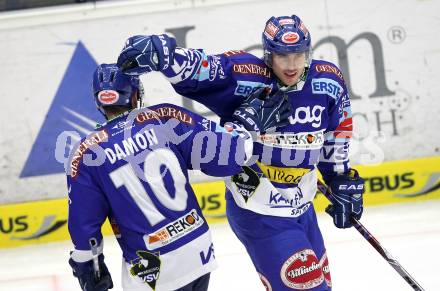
column 231, row 145
column 190, row 71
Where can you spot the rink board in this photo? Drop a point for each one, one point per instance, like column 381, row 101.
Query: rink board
column 391, row 182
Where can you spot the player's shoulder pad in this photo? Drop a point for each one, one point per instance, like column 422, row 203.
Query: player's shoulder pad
column 324, row 69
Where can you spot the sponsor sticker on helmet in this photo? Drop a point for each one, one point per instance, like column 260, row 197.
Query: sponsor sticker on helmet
column 108, row 97
column 290, row 37
column 271, row 30
column 304, row 29
column 302, row 271
column 286, row 21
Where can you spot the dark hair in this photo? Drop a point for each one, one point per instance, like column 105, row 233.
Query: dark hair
column 115, row 110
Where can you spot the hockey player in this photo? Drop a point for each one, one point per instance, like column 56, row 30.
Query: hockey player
column 269, row 204
column 134, row 170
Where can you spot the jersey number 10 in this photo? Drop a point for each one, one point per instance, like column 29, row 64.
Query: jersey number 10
column 125, row 176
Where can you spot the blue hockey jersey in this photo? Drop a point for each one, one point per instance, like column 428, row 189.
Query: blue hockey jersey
column 134, row 171
column 283, row 180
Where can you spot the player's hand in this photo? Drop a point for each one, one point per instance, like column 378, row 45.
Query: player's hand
column 347, row 198
column 259, row 112
column 145, row 53
column 86, row 275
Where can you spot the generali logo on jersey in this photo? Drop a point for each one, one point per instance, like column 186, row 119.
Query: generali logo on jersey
column 94, row 139
column 164, row 112
column 252, row 69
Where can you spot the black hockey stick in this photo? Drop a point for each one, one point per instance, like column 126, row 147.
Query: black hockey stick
column 375, row 243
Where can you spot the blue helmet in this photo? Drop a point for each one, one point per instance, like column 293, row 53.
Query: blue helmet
column 111, row 87
column 283, row 35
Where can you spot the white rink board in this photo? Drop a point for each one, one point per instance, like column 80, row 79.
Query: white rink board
column 410, row 232
column 392, row 53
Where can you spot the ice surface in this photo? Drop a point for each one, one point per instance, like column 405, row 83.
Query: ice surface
column 410, row 232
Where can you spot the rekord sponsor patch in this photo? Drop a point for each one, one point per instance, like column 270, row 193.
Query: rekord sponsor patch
column 327, row 86
column 174, row 230
column 245, row 88
column 297, row 141
column 72, row 109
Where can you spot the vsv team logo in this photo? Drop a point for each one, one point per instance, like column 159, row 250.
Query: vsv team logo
column 72, row 109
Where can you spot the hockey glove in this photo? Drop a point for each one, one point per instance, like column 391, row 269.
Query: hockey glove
column 260, row 112
column 145, row 53
column 86, row 275
column 347, row 201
